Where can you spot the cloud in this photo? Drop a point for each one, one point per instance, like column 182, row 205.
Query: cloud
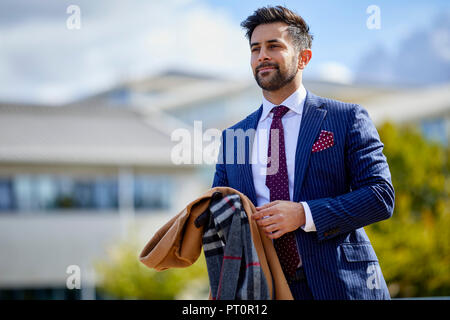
column 47, row 63
column 422, row 58
column 334, row 72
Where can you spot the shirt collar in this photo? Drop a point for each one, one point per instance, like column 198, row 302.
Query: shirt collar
column 294, row 102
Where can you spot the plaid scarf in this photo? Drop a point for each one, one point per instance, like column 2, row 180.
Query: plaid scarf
column 233, row 265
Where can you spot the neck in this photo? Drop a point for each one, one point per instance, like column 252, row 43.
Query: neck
column 278, row 96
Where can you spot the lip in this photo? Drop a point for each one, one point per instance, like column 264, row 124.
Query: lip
column 266, row 69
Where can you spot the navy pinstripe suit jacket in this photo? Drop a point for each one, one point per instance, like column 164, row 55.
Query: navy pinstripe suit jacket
column 346, row 186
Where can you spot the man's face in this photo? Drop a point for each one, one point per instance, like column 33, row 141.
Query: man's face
column 273, row 57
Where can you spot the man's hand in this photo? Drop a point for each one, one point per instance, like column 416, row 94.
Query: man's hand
column 279, row 217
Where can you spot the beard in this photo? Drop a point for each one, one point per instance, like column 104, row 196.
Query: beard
column 278, row 78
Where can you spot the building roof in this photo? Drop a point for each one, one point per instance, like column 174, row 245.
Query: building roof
column 91, row 135
column 411, row 105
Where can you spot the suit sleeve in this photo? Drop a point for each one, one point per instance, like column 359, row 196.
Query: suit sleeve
column 220, row 176
column 371, row 198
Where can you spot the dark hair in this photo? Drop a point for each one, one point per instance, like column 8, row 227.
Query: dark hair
column 298, row 29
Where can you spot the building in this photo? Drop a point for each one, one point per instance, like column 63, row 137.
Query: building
column 72, row 181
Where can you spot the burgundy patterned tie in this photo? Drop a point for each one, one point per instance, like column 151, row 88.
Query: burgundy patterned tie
column 278, row 184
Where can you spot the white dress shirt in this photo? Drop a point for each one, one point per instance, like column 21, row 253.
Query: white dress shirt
column 291, row 125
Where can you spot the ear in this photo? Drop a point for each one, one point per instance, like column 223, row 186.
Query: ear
column 304, row 57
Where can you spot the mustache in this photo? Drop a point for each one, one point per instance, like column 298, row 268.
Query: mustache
column 264, row 65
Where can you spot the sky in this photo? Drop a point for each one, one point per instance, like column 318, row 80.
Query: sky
column 45, row 61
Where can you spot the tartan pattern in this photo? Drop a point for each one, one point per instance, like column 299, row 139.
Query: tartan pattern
column 233, row 265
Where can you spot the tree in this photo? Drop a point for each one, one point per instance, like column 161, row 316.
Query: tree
column 413, row 246
column 123, row 276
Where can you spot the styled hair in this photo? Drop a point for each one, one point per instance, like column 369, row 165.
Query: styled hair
column 298, row 29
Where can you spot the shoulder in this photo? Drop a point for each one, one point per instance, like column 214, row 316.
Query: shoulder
column 336, row 109
column 248, row 121
column 334, row 105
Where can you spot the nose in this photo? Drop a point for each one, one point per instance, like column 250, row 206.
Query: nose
column 263, row 55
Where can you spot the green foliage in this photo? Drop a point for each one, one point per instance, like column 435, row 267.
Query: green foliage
column 123, row 276
column 413, row 246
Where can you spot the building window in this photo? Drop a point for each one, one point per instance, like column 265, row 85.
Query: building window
column 152, row 192
column 40, row 294
column 6, row 195
column 55, row 192
column 46, row 192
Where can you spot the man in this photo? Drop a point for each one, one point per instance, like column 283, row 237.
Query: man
column 314, row 168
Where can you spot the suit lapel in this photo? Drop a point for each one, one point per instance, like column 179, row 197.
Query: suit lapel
column 248, row 187
column 312, row 119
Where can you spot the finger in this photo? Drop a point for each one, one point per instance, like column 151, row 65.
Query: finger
column 275, row 235
column 266, row 221
column 256, row 216
column 267, row 211
column 262, row 213
column 271, row 228
column 268, row 205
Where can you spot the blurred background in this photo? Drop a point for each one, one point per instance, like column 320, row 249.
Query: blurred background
column 92, row 91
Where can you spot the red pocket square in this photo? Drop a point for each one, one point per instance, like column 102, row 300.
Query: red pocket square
column 325, row 141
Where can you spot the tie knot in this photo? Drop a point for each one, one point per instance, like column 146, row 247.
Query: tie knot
column 280, row 111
